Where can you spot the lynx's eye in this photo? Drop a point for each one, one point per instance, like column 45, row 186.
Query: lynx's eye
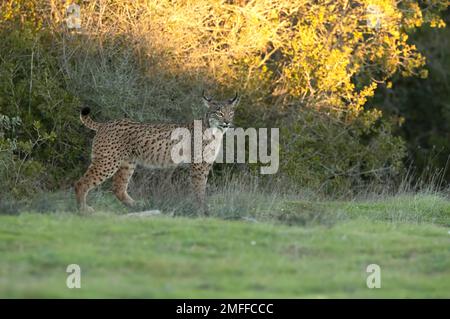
column 220, row 113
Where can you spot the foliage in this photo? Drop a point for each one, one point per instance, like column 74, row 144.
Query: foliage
column 328, row 154
column 40, row 145
column 423, row 105
column 20, row 172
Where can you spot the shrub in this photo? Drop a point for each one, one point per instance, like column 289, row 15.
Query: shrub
column 325, row 153
column 40, row 143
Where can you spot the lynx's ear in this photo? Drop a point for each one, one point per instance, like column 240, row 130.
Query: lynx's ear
column 235, row 100
column 206, row 100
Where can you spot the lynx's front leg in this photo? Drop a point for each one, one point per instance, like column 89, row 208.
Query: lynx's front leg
column 199, row 179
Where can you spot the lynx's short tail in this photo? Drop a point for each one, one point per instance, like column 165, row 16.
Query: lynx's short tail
column 87, row 121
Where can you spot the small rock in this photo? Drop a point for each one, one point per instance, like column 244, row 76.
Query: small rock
column 249, row 219
column 147, row 213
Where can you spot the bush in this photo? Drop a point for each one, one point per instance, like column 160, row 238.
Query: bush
column 327, row 154
column 423, row 105
column 41, row 144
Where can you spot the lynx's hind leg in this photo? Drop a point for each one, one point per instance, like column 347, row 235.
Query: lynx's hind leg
column 97, row 173
column 120, row 182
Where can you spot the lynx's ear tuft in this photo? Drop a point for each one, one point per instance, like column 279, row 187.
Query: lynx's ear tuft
column 206, row 100
column 235, row 100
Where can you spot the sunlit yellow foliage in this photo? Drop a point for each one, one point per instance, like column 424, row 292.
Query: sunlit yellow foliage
column 324, row 53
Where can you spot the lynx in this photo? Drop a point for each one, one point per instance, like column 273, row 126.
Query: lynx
column 119, row 146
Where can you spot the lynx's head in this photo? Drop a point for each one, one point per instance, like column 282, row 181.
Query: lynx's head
column 220, row 114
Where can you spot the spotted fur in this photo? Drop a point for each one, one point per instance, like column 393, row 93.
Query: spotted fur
column 119, row 146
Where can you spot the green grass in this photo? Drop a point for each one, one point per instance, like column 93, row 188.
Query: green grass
column 298, row 249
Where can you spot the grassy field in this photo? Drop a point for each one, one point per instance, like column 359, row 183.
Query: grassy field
column 298, row 249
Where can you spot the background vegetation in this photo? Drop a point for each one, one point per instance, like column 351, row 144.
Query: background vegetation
column 310, row 68
column 423, row 104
